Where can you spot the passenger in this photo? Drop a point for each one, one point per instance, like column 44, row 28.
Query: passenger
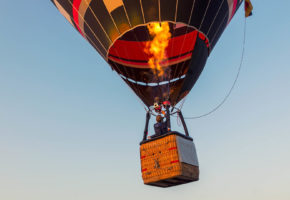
column 160, row 127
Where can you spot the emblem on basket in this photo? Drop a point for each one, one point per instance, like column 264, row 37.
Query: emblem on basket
column 156, row 165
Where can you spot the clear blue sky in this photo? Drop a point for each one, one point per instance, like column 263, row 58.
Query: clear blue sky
column 70, row 128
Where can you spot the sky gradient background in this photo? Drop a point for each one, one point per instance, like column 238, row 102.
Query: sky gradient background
column 70, row 127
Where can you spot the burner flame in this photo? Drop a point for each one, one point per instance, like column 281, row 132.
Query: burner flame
column 156, row 49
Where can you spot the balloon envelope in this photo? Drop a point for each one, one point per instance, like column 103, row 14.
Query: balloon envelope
column 118, row 30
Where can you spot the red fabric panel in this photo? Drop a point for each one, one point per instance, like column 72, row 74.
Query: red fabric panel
column 145, row 63
column 133, row 50
column 201, row 36
column 234, row 9
column 130, row 50
column 181, row 44
column 76, row 7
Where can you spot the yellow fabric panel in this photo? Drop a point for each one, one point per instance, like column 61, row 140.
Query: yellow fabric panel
column 82, row 11
column 112, row 4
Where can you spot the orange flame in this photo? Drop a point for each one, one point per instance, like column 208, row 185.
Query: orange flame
column 156, row 48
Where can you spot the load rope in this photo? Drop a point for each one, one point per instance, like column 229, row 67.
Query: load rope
column 233, row 85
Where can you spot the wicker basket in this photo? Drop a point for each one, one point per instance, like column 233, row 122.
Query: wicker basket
column 169, row 160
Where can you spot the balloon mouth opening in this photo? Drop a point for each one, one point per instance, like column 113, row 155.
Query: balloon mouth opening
column 127, row 56
column 129, row 51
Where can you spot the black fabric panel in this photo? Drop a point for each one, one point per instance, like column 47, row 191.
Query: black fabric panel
column 139, row 33
column 219, row 32
column 92, row 26
column 224, row 12
column 151, row 10
column 114, row 67
column 180, row 69
column 142, row 75
column 182, row 31
column 175, row 88
column 198, row 61
column 184, row 11
column 212, row 11
column 67, row 5
column 167, row 9
column 177, row 73
column 94, row 42
column 134, row 11
column 105, row 19
column 199, row 12
column 120, row 19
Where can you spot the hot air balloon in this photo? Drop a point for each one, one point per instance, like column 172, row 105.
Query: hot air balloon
column 159, row 48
